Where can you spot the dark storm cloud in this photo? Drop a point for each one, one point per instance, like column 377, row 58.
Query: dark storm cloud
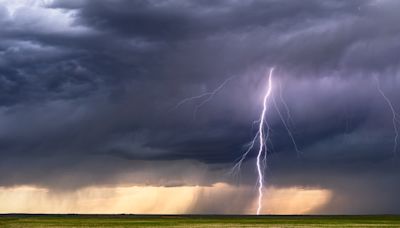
column 88, row 89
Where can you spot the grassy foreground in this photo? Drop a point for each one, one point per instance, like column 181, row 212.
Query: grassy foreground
column 36, row 221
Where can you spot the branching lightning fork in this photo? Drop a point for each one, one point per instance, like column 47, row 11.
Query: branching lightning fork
column 206, row 96
column 289, row 119
column 286, row 123
column 395, row 116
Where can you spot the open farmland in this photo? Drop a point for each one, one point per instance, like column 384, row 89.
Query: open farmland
column 36, row 221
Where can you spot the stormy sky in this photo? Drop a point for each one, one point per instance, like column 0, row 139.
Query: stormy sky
column 89, row 94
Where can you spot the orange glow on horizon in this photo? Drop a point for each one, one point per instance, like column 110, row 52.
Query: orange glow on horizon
column 161, row 200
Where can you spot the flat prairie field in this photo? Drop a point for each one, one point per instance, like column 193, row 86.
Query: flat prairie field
column 41, row 220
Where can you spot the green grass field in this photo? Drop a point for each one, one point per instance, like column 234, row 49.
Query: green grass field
column 14, row 221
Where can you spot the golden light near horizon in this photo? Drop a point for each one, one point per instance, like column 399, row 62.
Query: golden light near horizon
column 295, row 200
column 158, row 200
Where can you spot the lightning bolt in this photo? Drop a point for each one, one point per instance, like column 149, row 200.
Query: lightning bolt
column 261, row 137
column 262, row 141
column 395, row 116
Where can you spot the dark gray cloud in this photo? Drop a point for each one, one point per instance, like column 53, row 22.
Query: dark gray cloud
column 88, row 90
